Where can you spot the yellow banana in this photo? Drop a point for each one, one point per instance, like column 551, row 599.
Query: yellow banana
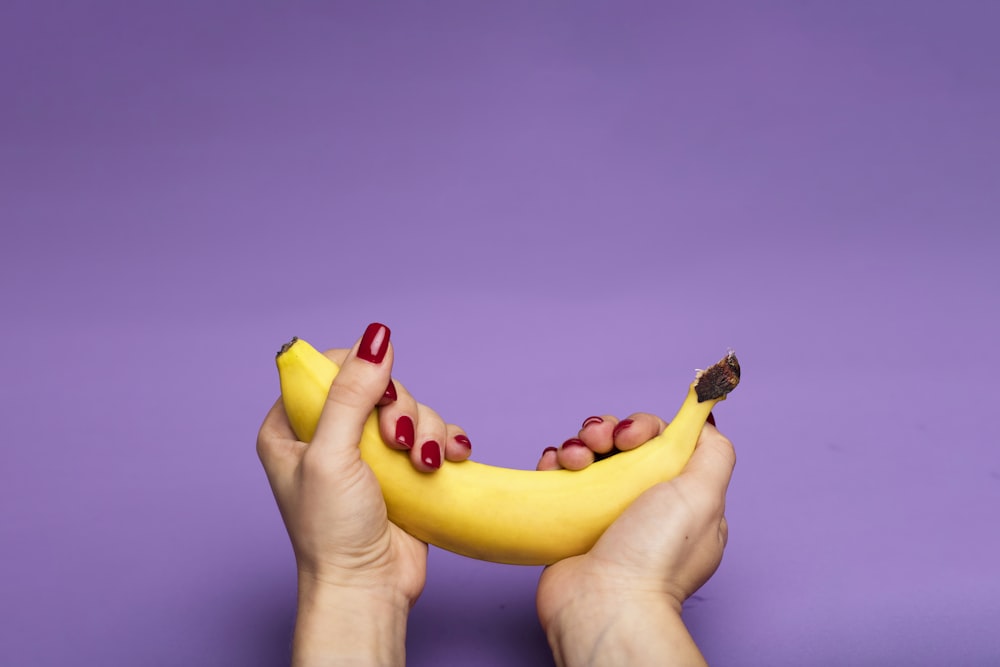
column 523, row 517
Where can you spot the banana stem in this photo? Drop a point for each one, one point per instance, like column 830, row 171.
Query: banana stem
column 715, row 382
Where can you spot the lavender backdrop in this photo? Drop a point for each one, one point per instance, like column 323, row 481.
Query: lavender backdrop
column 561, row 209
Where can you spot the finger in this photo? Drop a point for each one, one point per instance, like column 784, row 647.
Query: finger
column 275, row 426
column 712, row 462
column 389, row 396
column 336, row 355
column 275, row 436
column 637, row 429
column 724, row 532
column 428, row 453
column 549, row 460
column 574, row 455
column 457, row 446
column 358, row 386
column 397, row 420
column 596, row 432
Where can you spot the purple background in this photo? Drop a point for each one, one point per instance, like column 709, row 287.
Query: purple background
column 560, row 209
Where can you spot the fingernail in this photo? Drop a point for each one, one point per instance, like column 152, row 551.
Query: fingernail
column 389, row 396
column 404, row 432
column 621, row 426
column 464, row 441
column 591, row 420
column 430, row 454
column 374, row 343
column 573, row 442
column 549, row 449
column 711, row 419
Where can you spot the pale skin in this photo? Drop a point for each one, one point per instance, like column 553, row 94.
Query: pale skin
column 359, row 574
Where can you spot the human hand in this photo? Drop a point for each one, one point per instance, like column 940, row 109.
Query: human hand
column 600, row 437
column 408, row 425
column 649, row 561
column 358, row 573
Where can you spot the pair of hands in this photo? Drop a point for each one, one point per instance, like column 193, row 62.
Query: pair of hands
column 359, row 574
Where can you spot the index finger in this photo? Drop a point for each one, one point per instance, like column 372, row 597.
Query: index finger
column 275, row 437
column 276, row 425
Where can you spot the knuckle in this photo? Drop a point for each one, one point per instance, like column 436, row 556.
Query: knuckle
column 722, row 446
column 268, row 445
column 709, row 503
column 336, row 355
column 262, row 448
column 727, row 451
column 350, row 395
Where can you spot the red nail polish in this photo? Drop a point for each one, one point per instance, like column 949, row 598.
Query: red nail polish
column 591, row 420
column 464, row 441
column 573, row 442
column 389, row 396
column 549, row 449
column 430, row 454
column 404, row 432
column 711, row 419
column 622, row 425
column 374, row 343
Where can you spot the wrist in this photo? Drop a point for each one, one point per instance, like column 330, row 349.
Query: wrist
column 339, row 624
column 598, row 629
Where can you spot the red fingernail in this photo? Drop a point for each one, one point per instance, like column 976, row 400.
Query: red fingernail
column 374, row 343
column 464, row 441
column 573, row 442
column 591, row 420
column 430, row 454
column 389, row 396
column 549, row 449
column 711, row 419
column 404, row 432
column 622, row 425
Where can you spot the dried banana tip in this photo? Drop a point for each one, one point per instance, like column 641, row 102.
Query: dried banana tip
column 284, row 348
column 718, row 380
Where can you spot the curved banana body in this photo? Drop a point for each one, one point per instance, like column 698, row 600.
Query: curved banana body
column 522, row 517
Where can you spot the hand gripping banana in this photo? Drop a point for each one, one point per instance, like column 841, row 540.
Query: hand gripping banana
column 522, row 517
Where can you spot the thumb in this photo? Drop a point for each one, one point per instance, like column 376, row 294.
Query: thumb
column 711, row 465
column 358, row 387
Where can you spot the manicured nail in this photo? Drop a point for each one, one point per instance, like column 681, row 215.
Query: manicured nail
column 464, row 441
column 711, row 419
column 389, row 396
column 621, row 426
column 591, row 420
column 573, row 442
column 404, row 432
column 430, row 454
column 374, row 343
column 549, row 449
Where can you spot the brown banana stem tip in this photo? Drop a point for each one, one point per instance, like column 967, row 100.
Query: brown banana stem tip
column 284, row 348
column 718, row 380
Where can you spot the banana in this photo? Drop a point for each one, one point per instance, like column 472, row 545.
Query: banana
column 521, row 517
